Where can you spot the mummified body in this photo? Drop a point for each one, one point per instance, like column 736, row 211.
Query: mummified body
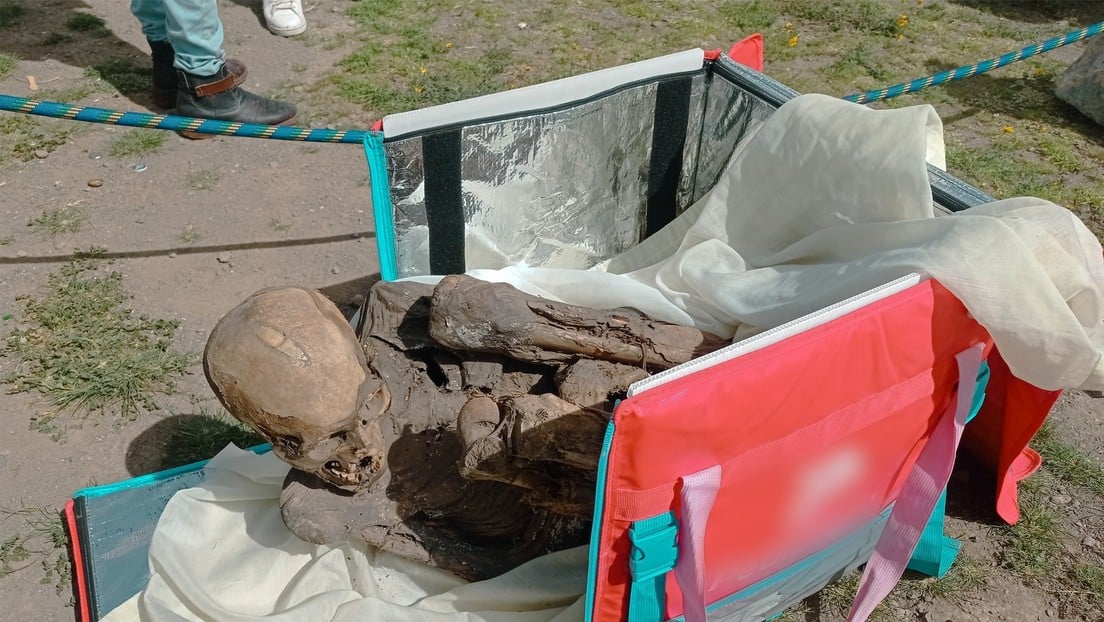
column 463, row 430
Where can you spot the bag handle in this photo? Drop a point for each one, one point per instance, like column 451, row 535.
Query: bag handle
column 906, row 522
column 699, row 490
column 918, row 497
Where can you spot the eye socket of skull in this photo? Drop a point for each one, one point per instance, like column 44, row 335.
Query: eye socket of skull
column 286, row 363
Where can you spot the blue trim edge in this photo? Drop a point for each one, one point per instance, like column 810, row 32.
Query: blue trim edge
column 151, row 478
column 596, row 524
column 382, row 210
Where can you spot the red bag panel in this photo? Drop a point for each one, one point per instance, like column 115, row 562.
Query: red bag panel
column 815, row 434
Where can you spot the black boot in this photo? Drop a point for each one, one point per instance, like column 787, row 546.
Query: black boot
column 163, row 88
column 218, row 97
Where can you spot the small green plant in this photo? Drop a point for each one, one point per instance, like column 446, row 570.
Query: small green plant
column 747, row 16
column 279, row 225
column 7, row 64
column 25, row 137
column 1091, row 577
column 11, row 13
column 71, row 94
column 87, row 22
column 137, row 142
column 81, row 348
column 1033, row 544
column 1067, row 463
column 54, row 38
column 204, row 179
column 42, row 534
column 54, row 222
column 965, row 577
column 189, row 235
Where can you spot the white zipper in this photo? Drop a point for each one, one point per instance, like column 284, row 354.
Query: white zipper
column 778, row 333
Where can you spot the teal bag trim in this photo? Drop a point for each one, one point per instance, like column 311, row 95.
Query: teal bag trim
column 596, row 524
column 382, row 209
column 654, row 554
column 936, row 552
column 151, row 478
column 791, row 570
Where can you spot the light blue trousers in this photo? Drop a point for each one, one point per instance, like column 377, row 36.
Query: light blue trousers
column 192, row 27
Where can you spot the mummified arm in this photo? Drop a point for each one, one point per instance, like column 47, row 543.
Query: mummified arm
column 469, row 314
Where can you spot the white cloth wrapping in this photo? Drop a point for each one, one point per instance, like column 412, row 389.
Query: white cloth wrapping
column 827, row 200
column 830, row 199
column 221, row 553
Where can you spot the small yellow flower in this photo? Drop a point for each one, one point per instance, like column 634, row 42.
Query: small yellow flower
column 789, row 25
column 1008, row 129
column 422, row 70
column 448, row 45
column 792, row 42
column 417, row 89
column 902, row 21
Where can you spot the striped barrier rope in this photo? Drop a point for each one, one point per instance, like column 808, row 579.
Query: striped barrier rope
column 172, row 122
column 976, row 68
column 58, row 110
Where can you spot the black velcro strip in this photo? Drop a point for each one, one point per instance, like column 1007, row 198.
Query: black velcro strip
column 672, row 113
column 444, row 202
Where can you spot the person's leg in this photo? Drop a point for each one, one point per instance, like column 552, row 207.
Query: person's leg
column 194, row 29
column 151, row 15
column 207, row 86
column 153, row 18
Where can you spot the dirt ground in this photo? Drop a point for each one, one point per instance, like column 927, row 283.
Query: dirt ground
column 196, row 226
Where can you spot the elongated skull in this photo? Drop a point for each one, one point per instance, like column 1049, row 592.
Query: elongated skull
column 286, row 363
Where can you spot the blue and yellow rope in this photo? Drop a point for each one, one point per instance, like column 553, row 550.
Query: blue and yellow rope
column 977, row 68
column 172, row 122
column 11, row 103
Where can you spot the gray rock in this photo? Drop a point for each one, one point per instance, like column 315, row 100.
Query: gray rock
column 1082, row 85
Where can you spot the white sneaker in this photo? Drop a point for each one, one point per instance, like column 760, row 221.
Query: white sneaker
column 285, row 17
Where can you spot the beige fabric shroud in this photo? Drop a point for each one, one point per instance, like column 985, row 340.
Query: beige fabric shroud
column 827, row 200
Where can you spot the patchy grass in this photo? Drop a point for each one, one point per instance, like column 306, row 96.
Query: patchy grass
column 11, row 13
column 87, row 23
column 190, row 235
column 1067, row 463
column 1091, row 578
column 80, row 347
column 22, row 136
column 966, row 577
column 7, row 64
column 39, row 541
column 203, row 179
column 68, row 95
column 54, row 222
column 137, row 142
column 1032, row 546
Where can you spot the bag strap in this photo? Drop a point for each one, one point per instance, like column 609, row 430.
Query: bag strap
column 919, row 495
column 699, row 490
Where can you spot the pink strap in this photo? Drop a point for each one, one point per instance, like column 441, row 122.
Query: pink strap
column 699, row 490
column 918, row 496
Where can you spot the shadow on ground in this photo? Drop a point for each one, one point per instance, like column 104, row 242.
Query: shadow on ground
column 1081, row 11
column 1020, row 97
column 183, row 439
column 66, row 31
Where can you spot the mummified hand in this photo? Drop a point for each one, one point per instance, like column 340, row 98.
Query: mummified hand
column 467, row 314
